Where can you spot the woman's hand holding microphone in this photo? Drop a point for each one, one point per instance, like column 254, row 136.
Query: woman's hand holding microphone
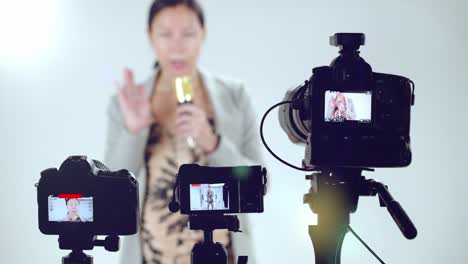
column 191, row 120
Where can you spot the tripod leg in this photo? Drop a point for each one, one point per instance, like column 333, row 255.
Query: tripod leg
column 327, row 243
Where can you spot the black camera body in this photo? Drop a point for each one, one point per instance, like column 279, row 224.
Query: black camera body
column 379, row 141
column 350, row 116
column 218, row 190
column 85, row 197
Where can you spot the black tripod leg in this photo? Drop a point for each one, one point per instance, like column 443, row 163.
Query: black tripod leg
column 327, row 243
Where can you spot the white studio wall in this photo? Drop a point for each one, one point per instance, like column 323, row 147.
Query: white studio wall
column 59, row 60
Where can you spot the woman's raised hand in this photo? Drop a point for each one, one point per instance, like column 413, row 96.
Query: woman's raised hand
column 134, row 103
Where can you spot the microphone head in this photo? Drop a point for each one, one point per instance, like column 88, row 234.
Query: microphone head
column 183, row 89
column 174, row 206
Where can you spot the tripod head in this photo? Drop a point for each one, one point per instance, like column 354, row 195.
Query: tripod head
column 77, row 242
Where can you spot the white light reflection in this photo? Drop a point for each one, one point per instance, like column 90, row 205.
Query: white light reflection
column 27, row 29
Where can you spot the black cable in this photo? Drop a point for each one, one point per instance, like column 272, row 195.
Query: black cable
column 412, row 93
column 364, row 243
column 413, row 86
column 266, row 145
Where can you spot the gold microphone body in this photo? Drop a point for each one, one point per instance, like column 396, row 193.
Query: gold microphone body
column 184, row 92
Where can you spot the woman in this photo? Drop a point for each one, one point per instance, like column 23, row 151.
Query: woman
column 148, row 132
column 209, row 195
column 340, row 109
column 73, row 210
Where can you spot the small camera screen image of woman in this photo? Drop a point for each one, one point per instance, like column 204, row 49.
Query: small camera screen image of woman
column 207, row 197
column 340, row 107
column 70, row 209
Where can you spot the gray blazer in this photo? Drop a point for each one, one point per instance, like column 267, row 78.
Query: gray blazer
column 235, row 121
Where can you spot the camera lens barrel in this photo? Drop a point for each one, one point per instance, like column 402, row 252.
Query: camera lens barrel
column 289, row 116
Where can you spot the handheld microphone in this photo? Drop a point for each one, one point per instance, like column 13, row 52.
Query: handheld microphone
column 184, row 93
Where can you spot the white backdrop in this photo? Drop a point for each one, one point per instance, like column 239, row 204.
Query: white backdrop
column 58, row 61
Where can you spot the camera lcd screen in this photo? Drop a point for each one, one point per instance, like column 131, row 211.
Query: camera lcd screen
column 344, row 107
column 71, row 209
column 209, row 197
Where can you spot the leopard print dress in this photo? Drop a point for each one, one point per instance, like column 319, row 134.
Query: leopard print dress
column 165, row 236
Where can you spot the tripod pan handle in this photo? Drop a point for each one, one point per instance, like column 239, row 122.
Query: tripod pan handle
column 402, row 220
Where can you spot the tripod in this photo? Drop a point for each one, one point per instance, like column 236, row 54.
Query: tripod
column 208, row 251
column 78, row 242
column 333, row 196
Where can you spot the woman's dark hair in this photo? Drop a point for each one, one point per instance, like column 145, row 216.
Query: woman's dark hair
column 158, row 5
column 68, row 199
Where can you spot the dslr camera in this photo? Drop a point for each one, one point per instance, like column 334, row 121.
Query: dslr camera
column 348, row 115
column 84, row 197
column 218, row 190
column 206, row 194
